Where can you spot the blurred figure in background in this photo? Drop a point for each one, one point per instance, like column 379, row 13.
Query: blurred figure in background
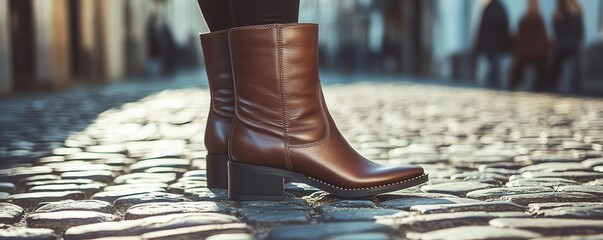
column 494, row 40
column 154, row 46
column 569, row 36
column 161, row 47
column 532, row 47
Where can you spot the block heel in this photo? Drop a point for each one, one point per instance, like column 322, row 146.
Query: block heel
column 217, row 171
column 253, row 183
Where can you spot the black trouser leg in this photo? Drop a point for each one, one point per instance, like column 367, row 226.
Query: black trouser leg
column 225, row 14
column 555, row 77
column 576, row 74
column 541, row 82
column 517, row 73
column 493, row 80
column 257, row 12
column 217, row 14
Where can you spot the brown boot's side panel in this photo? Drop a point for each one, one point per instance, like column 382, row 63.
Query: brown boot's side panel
column 252, row 147
column 219, row 73
column 258, row 127
column 305, row 117
column 217, row 131
column 274, row 95
column 216, row 53
column 258, row 103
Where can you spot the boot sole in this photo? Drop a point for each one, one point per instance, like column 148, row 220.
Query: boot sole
column 253, row 183
column 217, row 171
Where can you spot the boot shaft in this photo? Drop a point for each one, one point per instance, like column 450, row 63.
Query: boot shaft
column 277, row 86
column 216, row 54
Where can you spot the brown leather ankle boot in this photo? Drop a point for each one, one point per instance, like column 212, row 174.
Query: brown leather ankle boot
column 219, row 74
column 282, row 128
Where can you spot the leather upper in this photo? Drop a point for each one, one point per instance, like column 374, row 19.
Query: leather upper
column 281, row 119
column 216, row 53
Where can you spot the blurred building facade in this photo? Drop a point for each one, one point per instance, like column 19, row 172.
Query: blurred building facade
column 49, row 44
column 430, row 38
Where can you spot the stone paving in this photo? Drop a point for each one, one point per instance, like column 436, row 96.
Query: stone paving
column 126, row 161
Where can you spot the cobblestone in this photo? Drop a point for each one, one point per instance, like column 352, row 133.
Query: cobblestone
column 80, row 205
column 475, row 233
column 593, row 162
column 111, row 196
column 4, row 196
column 468, row 207
column 407, row 203
column 327, row 230
column 88, row 189
column 540, row 182
column 571, row 175
column 7, row 187
column 456, row 188
column 124, row 203
column 482, row 177
column 160, row 187
column 551, row 226
column 542, row 206
column 363, row 236
column 98, row 175
column 29, row 200
column 164, row 208
column 128, row 161
column 365, row 215
column 571, row 212
column 577, row 237
column 594, row 190
column 431, row 222
column 274, row 214
column 61, row 220
column 197, row 232
column 146, row 225
column 10, row 213
column 496, row 193
column 555, row 167
column 231, row 236
column 345, row 204
column 18, row 233
column 47, row 181
column 206, row 194
column 525, row 199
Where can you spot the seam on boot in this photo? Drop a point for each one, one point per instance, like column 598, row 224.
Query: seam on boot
column 236, row 97
column 325, row 122
column 276, row 25
column 223, row 114
column 279, row 44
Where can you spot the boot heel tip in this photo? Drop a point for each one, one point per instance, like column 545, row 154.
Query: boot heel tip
column 217, row 171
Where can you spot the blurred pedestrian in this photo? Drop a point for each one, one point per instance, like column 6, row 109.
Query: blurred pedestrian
column 161, row 47
column 153, row 45
column 494, row 40
column 531, row 47
column 168, row 48
column 569, row 35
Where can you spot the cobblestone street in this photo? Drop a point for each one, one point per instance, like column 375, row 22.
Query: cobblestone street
column 127, row 160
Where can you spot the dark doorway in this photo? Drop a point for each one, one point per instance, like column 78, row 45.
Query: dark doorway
column 22, row 38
